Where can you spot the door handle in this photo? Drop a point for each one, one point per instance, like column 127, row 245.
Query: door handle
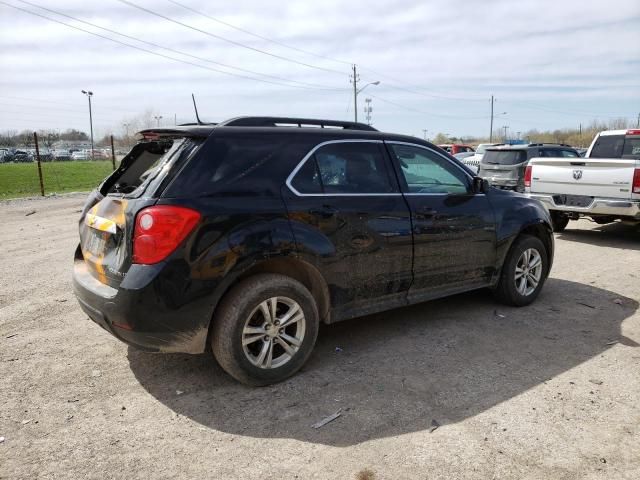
column 326, row 211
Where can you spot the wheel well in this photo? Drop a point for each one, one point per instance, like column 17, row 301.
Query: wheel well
column 301, row 271
column 542, row 232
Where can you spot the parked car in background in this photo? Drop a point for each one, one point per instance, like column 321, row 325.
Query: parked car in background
column 22, row 156
column 582, row 151
column 473, row 161
column 454, row 148
column 504, row 167
column 604, row 185
column 80, row 155
column 245, row 236
column 61, row 155
column 462, row 155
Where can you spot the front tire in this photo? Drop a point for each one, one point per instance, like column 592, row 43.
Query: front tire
column 523, row 273
column 559, row 221
column 265, row 329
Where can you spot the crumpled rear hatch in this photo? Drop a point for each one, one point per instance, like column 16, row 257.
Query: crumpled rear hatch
column 108, row 219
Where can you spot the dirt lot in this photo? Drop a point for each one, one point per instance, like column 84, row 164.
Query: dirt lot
column 548, row 391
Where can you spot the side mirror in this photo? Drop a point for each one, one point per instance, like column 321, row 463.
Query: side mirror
column 480, row 185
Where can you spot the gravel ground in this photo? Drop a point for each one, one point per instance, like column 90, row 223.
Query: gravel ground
column 549, row 391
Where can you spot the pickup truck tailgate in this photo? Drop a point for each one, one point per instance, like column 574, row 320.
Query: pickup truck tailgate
column 607, row 178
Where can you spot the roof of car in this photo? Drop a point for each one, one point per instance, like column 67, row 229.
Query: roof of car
column 293, row 126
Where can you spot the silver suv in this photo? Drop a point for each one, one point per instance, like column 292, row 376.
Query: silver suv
column 504, row 166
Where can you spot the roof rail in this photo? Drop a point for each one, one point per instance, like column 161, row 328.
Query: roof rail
column 543, row 144
column 293, row 122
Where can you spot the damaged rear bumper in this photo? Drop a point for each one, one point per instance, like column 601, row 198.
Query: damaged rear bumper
column 138, row 317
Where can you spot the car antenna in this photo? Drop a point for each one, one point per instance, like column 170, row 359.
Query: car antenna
column 196, row 109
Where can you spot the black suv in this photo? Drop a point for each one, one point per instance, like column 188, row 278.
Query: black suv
column 504, row 167
column 244, row 236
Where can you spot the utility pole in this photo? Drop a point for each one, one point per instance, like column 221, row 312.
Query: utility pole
column 506, row 127
column 126, row 127
column 424, row 132
column 638, row 124
column 580, row 135
column 89, row 94
column 175, row 119
column 355, row 78
column 491, row 127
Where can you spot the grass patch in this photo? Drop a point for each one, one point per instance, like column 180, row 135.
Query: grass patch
column 21, row 179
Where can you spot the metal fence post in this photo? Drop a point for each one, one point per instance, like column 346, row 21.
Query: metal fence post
column 35, row 140
column 113, row 154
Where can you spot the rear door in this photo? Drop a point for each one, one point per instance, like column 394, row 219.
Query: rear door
column 349, row 217
column 106, row 223
column 453, row 228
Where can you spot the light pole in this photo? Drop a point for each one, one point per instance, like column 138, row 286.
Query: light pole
column 126, row 127
column 89, row 94
column 424, row 131
column 158, row 118
column 355, row 78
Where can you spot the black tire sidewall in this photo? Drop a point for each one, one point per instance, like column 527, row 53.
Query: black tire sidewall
column 508, row 270
column 240, row 303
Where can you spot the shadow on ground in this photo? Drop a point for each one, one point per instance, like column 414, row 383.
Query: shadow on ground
column 613, row 235
column 394, row 372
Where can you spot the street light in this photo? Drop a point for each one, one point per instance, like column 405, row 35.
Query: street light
column 89, row 94
column 158, row 118
column 356, row 91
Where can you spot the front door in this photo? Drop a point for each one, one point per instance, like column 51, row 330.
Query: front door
column 350, row 219
column 453, row 227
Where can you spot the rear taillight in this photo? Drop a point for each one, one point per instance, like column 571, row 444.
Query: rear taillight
column 527, row 176
column 159, row 230
column 633, row 132
column 636, row 181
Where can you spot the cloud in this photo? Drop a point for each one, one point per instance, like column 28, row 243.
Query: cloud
column 571, row 56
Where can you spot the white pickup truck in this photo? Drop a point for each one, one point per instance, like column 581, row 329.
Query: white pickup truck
column 604, row 185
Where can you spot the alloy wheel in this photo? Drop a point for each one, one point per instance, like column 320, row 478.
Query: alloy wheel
column 273, row 332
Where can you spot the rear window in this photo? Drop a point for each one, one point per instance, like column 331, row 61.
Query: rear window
column 632, row 146
column 142, row 164
column 504, row 157
column 608, row 146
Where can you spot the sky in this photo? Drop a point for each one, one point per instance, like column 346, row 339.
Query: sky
column 549, row 64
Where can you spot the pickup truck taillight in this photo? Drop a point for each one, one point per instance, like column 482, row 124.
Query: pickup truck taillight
column 636, row 181
column 527, row 176
column 159, row 230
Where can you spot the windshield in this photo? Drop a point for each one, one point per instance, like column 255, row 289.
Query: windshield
column 504, row 157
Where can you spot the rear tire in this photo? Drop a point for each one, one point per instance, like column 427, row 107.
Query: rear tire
column 559, row 221
column 264, row 329
column 522, row 277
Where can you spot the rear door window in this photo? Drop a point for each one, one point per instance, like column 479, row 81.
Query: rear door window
column 504, row 157
column 345, row 168
column 569, row 153
column 632, row 146
column 608, row 146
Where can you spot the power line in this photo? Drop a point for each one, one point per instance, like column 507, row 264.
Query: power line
column 152, row 52
column 271, row 40
column 173, row 50
column 422, row 111
column 224, row 39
